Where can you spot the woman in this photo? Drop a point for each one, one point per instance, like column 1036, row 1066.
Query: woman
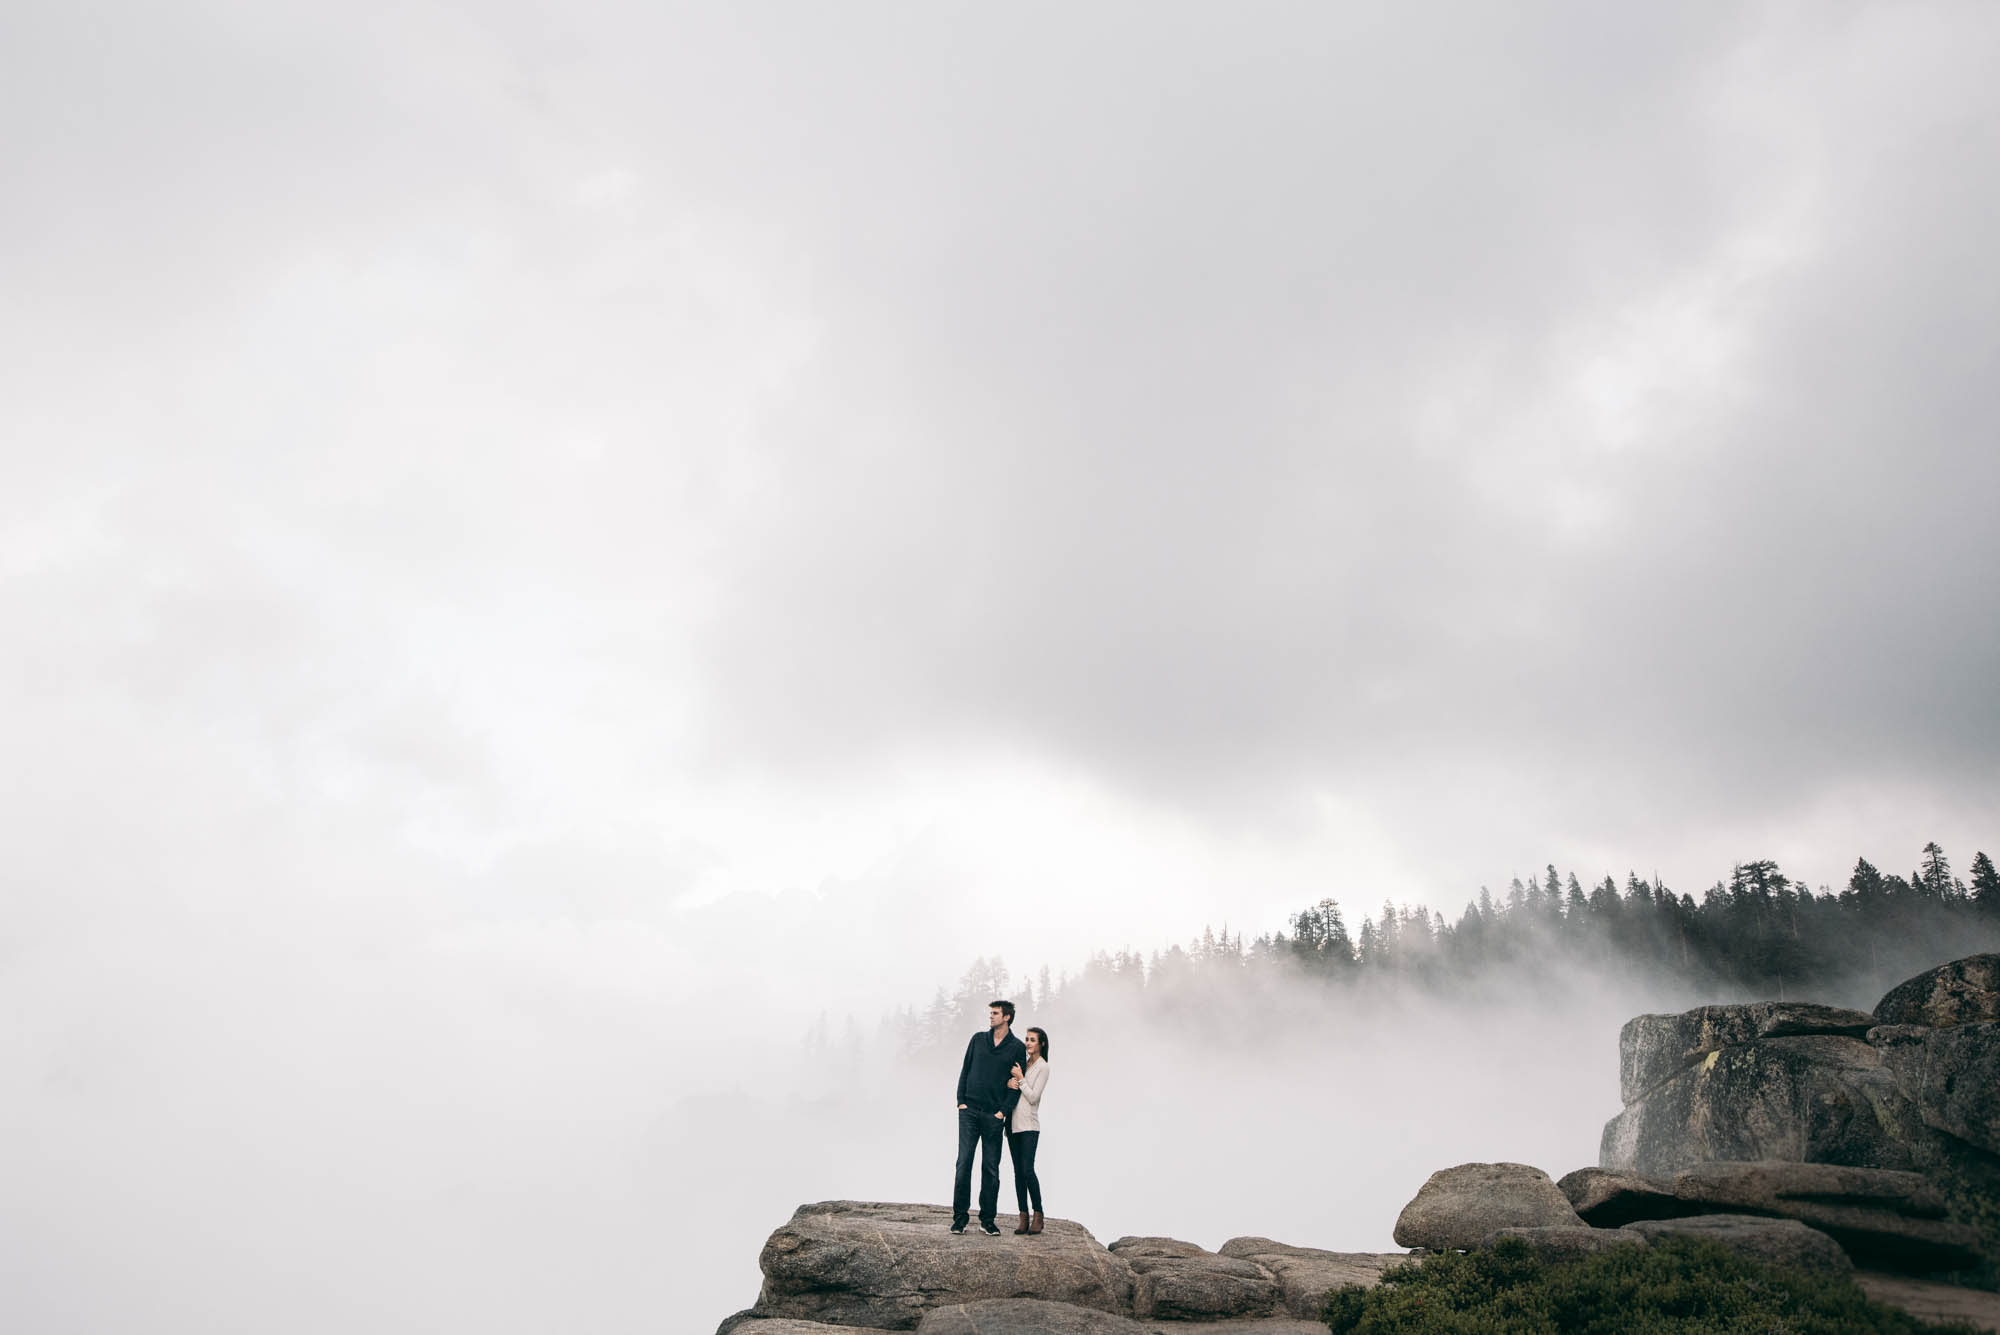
column 1024, row 1133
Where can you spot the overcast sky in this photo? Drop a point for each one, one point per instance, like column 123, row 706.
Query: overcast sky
column 1132, row 464
column 777, row 500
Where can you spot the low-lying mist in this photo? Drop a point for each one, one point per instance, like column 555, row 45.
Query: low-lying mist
column 1279, row 1104
column 446, row 1133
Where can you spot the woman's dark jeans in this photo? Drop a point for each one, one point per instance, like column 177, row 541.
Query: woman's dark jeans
column 1021, row 1149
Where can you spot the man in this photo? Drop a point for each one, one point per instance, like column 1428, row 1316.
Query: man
column 984, row 1102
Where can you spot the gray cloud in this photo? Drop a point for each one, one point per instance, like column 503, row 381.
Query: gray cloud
column 1557, row 428
column 1274, row 460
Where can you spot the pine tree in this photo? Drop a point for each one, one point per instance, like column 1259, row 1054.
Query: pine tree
column 983, row 981
column 1604, row 901
column 1416, row 931
column 940, row 1020
column 1098, row 968
column 1985, row 884
column 1131, row 969
column 1936, row 874
column 1319, row 936
column 1866, row 886
column 1757, row 882
column 1339, row 946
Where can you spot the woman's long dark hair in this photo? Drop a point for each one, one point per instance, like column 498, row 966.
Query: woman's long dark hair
column 1043, row 1035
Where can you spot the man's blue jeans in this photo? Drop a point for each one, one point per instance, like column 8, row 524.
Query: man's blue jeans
column 984, row 1129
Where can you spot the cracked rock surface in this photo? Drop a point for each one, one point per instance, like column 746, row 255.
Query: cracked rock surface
column 1182, row 1281
column 1307, row 1274
column 1776, row 1241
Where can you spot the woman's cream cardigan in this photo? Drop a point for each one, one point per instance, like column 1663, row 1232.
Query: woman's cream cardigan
column 1028, row 1112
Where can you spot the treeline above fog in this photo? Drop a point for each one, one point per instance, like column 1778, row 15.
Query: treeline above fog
column 1757, row 934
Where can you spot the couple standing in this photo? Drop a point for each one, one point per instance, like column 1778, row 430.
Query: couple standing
column 1000, row 1088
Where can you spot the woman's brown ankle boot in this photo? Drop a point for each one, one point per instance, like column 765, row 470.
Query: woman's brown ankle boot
column 1036, row 1225
column 1024, row 1224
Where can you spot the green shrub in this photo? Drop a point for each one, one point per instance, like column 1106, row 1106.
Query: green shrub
column 1679, row 1286
column 1973, row 1197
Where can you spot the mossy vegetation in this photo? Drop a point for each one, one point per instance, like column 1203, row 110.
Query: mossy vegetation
column 1973, row 1198
column 1676, row 1287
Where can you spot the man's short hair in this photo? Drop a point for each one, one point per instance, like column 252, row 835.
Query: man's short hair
column 1006, row 1009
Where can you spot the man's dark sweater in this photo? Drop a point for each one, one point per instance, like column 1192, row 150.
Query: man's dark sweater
column 982, row 1080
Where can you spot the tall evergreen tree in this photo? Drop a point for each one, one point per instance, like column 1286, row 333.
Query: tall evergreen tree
column 1339, row 946
column 1985, row 884
column 1604, row 901
column 940, row 1020
column 1757, row 882
column 1370, row 945
column 1469, row 936
column 1866, row 886
column 1937, row 877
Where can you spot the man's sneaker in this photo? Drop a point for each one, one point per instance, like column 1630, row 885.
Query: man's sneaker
column 958, row 1228
column 989, row 1228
